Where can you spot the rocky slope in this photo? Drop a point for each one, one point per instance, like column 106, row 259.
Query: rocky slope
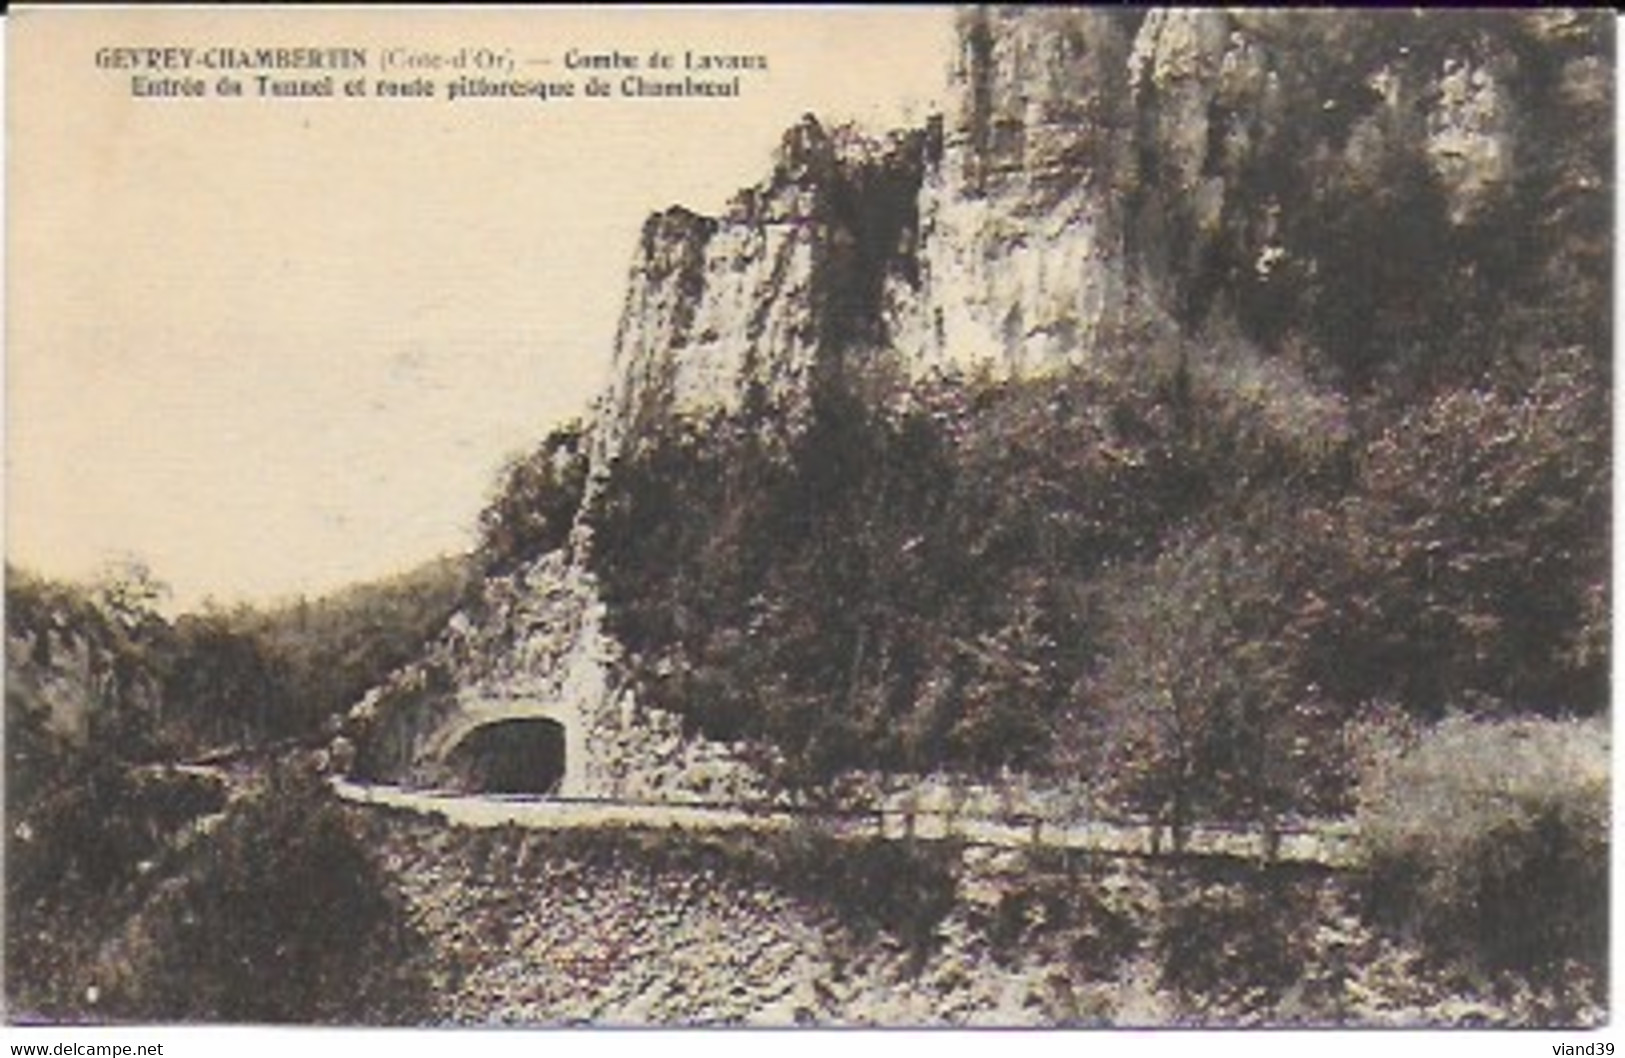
column 537, row 634
column 629, row 929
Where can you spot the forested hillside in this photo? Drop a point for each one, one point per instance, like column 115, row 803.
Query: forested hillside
column 1142, row 575
column 103, row 697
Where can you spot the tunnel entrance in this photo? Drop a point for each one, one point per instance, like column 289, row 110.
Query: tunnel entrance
column 520, row 756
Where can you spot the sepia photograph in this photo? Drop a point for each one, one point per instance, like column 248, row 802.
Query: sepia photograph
column 1078, row 518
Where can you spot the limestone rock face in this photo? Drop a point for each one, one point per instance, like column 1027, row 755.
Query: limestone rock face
column 57, row 672
column 1099, row 174
column 1024, row 258
column 70, row 678
column 755, row 306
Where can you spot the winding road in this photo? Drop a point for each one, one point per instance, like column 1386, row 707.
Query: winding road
column 1329, row 844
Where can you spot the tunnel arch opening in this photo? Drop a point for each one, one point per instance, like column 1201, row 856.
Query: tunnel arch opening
column 524, row 755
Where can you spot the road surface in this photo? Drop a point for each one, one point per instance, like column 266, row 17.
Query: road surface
column 1328, row 844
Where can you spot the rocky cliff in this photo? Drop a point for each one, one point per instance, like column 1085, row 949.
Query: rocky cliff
column 74, row 669
column 1354, row 200
column 760, row 305
column 1097, row 172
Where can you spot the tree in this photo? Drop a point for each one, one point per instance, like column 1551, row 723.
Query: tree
column 537, row 500
column 281, row 915
column 128, row 592
column 1479, row 540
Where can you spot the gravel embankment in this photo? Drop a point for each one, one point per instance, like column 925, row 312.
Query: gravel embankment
column 618, row 927
column 524, row 935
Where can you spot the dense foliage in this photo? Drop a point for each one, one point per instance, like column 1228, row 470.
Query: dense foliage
column 1393, row 255
column 279, row 915
column 101, row 692
column 1178, row 580
column 122, row 905
column 536, row 501
column 78, row 859
column 100, row 666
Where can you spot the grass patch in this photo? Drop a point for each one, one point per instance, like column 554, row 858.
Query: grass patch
column 1488, row 842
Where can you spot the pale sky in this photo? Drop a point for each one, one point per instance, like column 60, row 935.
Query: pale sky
column 275, row 346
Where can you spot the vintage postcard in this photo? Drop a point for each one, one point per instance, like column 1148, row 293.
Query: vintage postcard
column 1080, row 518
